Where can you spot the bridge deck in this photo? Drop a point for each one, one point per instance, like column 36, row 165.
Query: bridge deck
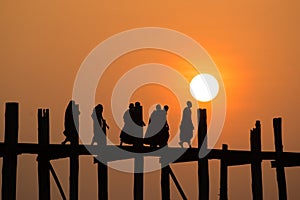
column 114, row 152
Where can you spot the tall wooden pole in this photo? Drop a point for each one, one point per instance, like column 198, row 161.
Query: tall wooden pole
column 102, row 168
column 9, row 169
column 223, row 174
column 256, row 173
column 43, row 160
column 138, row 186
column 280, row 173
column 203, row 178
column 74, row 158
column 165, row 181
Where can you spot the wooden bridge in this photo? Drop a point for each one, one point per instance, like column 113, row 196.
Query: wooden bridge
column 46, row 152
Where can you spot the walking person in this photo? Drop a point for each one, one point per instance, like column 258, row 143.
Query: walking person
column 186, row 126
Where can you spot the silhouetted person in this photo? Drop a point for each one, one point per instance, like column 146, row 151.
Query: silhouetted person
column 157, row 122
column 99, row 124
column 129, row 126
column 138, row 120
column 164, row 133
column 186, row 126
column 71, row 123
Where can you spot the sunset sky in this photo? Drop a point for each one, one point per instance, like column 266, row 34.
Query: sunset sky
column 254, row 44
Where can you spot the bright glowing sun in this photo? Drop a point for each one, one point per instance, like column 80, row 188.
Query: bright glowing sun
column 204, row 87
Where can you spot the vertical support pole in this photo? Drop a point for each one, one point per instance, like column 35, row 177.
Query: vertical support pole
column 280, row 173
column 139, row 159
column 102, row 168
column 223, row 172
column 9, row 170
column 165, row 181
column 256, row 173
column 74, row 158
column 203, row 177
column 138, row 177
column 43, row 160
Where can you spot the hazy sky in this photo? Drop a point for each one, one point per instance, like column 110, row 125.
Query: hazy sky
column 254, row 44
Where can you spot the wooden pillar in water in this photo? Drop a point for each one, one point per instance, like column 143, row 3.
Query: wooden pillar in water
column 256, row 173
column 102, row 168
column 74, row 158
column 165, row 181
column 9, row 169
column 280, row 173
column 223, row 174
column 203, row 178
column 43, row 160
column 139, row 159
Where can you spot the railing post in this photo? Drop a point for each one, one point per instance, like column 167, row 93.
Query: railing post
column 203, row 177
column 43, row 159
column 280, row 173
column 9, row 169
column 223, row 174
column 74, row 158
column 256, row 173
column 165, row 180
column 102, row 167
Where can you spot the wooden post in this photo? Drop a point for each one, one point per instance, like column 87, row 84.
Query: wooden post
column 203, row 177
column 102, row 168
column 138, row 159
column 43, row 160
column 165, row 181
column 223, row 176
column 9, row 169
column 256, row 173
column 74, row 158
column 280, row 173
column 138, row 177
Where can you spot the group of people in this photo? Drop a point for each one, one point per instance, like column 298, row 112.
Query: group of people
column 157, row 132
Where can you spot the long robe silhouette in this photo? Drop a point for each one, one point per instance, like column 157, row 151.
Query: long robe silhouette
column 157, row 133
column 186, row 126
column 99, row 125
column 71, row 123
column 128, row 130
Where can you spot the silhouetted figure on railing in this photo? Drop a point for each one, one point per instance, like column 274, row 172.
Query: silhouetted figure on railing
column 132, row 132
column 99, row 124
column 138, row 120
column 128, row 129
column 164, row 133
column 186, row 126
column 156, row 125
column 71, row 123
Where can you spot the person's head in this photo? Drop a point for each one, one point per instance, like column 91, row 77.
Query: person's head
column 158, row 107
column 166, row 108
column 99, row 108
column 137, row 104
column 189, row 104
column 131, row 106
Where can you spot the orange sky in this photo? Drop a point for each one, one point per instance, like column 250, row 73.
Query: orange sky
column 255, row 45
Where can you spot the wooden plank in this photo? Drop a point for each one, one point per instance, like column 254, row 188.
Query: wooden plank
column 9, row 168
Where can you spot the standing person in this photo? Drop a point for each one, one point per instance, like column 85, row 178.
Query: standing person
column 71, row 123
column 138, row 120
column 164, row 133
column 128, row 129
column 186, row 126
column 99, row 125
column 156, row 124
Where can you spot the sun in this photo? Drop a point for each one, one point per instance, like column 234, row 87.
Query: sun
column 204, row 87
